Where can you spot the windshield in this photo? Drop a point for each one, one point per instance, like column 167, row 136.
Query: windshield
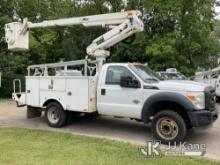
column 145, row 73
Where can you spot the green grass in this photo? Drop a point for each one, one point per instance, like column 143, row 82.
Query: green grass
column 26, row 146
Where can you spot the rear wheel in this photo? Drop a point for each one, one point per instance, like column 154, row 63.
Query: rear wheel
column 168, row 127
column 55, row 115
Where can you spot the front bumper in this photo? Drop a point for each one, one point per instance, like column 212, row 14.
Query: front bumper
column 202, row 117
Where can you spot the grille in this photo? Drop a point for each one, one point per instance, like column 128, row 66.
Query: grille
column 210, row 99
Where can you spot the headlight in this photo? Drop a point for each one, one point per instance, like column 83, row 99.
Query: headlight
column 197, row 98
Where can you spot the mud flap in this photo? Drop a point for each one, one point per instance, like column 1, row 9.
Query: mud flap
column 33, row 112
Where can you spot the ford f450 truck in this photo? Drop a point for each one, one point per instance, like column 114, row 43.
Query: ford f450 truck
column 122, row 90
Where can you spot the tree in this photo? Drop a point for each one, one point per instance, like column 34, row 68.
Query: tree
column 178, row 33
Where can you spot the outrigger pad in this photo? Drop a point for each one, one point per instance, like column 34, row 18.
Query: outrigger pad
column 33, row 112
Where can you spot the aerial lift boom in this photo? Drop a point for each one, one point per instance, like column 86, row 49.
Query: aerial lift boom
column 122, row 25
column 208, row 73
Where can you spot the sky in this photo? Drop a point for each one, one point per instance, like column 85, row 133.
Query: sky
column 217, row 9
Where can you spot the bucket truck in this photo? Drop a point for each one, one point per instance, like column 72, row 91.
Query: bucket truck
column 127, row 90
column 211, row 77
column 171, row 74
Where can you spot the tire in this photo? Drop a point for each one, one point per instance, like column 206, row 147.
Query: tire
column 168, row 127
column 55, row 115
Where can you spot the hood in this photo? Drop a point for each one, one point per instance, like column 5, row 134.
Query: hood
column 183, row 85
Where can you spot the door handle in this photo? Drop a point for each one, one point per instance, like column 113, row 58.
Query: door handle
column 103, row 91
column 136, row 101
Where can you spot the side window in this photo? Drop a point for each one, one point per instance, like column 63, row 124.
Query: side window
column 114, row 74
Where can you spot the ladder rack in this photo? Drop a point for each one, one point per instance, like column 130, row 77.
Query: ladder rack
column 42, row 69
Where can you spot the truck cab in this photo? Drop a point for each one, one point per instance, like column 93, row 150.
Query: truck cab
column 123, row 90
column 135, row 91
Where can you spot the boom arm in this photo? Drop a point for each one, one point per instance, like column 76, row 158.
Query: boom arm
column 122, row 24
column 208, row 72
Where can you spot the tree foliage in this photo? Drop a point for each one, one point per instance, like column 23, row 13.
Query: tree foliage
column 178, row 33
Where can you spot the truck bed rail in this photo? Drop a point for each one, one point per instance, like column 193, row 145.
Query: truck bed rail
column 42, row 69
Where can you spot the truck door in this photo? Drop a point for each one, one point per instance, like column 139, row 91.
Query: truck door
column 115, row 100
column 32, row 91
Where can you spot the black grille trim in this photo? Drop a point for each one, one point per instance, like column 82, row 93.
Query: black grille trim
column 210, row 99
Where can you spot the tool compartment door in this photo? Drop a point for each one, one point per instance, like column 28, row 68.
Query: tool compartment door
column 77, row 90
column 32, row 91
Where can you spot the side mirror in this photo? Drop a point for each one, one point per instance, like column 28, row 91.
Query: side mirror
column 129, row 82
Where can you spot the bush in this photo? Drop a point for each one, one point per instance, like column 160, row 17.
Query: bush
column 7, row 85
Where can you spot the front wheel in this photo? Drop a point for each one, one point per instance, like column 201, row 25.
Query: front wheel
column 55, row 115
column 168, row 127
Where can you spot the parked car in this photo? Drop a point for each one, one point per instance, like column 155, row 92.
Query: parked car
column 172, row 74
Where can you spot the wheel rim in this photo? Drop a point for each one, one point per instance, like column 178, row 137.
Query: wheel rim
column 167, row 128
column 53, row 115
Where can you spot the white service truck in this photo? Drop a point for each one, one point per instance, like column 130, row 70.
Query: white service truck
column 210, row 77
column 114, row 89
